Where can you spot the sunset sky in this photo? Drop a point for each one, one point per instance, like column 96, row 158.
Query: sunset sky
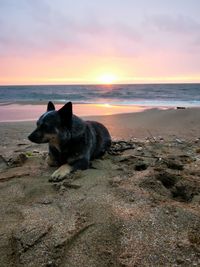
column 105, row 41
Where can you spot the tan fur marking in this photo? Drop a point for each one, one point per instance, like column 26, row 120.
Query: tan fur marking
column 53, row 140
column 62, row 171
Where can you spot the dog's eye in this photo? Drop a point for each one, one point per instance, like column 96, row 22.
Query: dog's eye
column 46, row 128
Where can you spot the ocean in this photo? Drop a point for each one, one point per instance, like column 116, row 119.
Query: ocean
column 154, row 95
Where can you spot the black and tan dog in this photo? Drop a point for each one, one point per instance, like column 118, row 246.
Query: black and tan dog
column 72, row 141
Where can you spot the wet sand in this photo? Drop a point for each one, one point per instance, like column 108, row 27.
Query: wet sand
column 31, row 111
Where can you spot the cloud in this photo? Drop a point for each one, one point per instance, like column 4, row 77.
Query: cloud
column 178, row 33
column 30, row 26
column 142, row 35
column 174, row 24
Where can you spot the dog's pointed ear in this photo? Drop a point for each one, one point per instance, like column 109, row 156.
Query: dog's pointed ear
column 66, row 114
column 50, row 106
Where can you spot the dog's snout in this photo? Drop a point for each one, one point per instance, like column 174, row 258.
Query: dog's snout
column 30, row 137
column 36, row 137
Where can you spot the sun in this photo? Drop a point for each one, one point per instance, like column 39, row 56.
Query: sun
column 107, row 78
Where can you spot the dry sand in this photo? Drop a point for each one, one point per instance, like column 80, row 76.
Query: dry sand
column 166, row 123
column 137, row 207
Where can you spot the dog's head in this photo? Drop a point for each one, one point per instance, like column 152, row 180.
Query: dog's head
column 52, row 123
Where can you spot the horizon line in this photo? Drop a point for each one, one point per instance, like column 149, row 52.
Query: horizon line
column 98, row 84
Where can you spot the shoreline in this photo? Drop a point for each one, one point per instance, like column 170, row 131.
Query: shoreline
column 167, row 124
column 30, row 111
column 123, row 122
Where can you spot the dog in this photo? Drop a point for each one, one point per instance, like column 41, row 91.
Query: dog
column 73, row 142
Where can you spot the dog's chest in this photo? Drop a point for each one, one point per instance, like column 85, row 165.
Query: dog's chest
column 63, row 154
column 55, row 144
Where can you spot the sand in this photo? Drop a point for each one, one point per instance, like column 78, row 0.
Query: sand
column 137, row 206
column 165, row 123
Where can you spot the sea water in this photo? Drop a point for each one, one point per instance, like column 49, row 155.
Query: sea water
column 154, row 95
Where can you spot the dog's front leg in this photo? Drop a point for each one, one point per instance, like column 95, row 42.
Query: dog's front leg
column 81, row 164
column 51, row 162
column 60, row 173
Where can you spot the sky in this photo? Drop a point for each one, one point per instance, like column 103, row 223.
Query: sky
column 102, row 41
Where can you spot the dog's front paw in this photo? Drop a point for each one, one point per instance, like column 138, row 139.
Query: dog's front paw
column 60, row 173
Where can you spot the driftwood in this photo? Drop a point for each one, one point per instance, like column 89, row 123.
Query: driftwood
column 11, row 176
column 118, row 147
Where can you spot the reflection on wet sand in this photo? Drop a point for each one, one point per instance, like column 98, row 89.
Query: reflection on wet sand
column 26, row 112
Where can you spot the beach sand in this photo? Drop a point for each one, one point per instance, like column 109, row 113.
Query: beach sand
column 137, row 206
